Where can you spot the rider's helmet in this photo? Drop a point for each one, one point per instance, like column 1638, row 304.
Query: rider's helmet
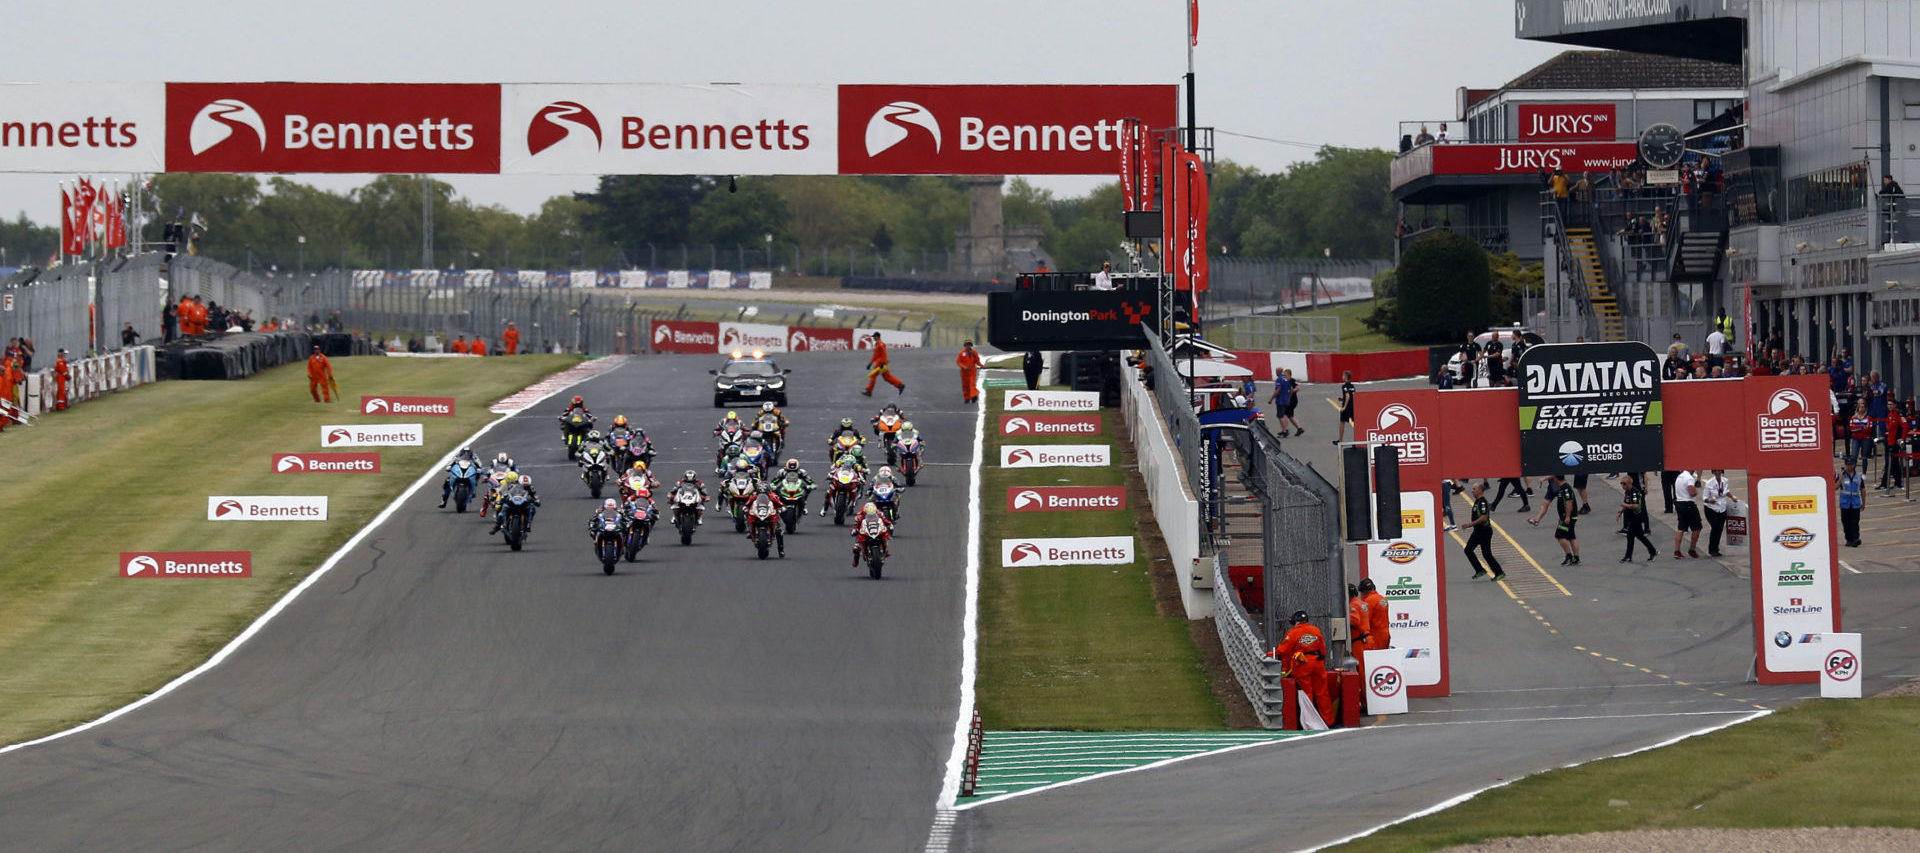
column 733, row 416
column 609, row 504
column 906, row 426
column 1299, row 616
column 891, row 407
column 689, row 475
column 885, row 472
column 619, row 420
column 846, row 423
column 766, row 406
column 502, row 459
column 465, row 453
column 868, row 508
column 510, row 478
column 859, row 453
column 639, row 465
column 593, row 435
column 733, row 449
column 793, row 464
column 579, row 400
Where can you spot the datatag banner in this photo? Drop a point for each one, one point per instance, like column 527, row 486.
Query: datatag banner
column 1590, row 409
column 572, row 129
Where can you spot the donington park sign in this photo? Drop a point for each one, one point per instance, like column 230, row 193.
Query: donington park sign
column 571, row 129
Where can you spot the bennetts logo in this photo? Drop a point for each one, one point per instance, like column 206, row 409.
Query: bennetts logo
column 559, row 120
column 217, row 121
column 1397, row 425
column 186, row 564
column 895, row 122
column 1789, row 423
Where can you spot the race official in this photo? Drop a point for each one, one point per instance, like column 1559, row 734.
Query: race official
column 969, row 362
column 61, row 374
column 1357, row 621
column 510, row 339
column 877, row 367
column 1482, row 536
column 1379, row 621
column 320, row 376
column 1304, row 654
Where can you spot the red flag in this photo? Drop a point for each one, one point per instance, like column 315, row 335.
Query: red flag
column 1173, row 225
column 1193, row 23
column 73, row 239
column 1129, row 167
column 1149, row 163
column 1195, row 198
column 97, row 213
column 116, row 220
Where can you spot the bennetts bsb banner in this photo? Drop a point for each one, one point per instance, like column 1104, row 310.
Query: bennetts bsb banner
column 1590, row 409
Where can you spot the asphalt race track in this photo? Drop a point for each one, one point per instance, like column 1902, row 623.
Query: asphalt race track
column 438, row 692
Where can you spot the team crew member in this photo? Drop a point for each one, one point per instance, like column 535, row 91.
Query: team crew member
column 1304, row 654
column 1482, row 535
column 1687, row 513
column 320, row 376
column 1346, row 407
column 1357, row 622
column 969, row 362
column 1634, row 518
column 1519, row 487
column 877, row 368
column 1566, row 506
column 1718, row 499
column 1380, row 622
column 1890, row 468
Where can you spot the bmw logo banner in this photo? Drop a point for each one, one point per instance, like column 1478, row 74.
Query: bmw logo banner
column 1590, row 409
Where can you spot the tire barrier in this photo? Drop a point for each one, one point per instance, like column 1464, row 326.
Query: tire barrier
column 243, row 354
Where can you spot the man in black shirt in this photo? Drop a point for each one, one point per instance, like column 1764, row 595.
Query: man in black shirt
column 1482, row 535
column 1346, row 407
column 1496, row 365
column 1633, row 516
column 1566, row 507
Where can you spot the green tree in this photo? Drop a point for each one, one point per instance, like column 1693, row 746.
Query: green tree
column 1445, row 289
column 1096, row 232
column 1511, row 280
column 1338, row 201
column 634, row 210
column 742, row 218
column 23, row 243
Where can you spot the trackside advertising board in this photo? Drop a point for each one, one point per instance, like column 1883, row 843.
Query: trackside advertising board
column 1055, row 455
column 1796, row 594
column 1065, row 498
column 1050, row 425
column 438, row 407
column 992, row 130
column 350, row 462
column 1407, row 572
column 1074, row 551
column 83, row 127
column 1051, row 401
column 186, row 564
column 266, row 507
column 1076, row 319
column 372, row 435
column 665, row 129
column 1590, row 409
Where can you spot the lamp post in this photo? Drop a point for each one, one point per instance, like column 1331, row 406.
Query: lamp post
column 303, row 254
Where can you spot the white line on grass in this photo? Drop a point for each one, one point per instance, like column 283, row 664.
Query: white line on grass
column 940, row 836
column 439, row 470
column 1457, row 800
column 1157, row 764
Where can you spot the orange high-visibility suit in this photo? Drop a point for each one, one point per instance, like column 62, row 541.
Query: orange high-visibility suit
column 61, row 373
column 877, row 368
column 1358, row 624
column 510, row 340
column 9, row 377
column 460, row 346
column 185, row 315
column 479, row 346
column 1304, row 654
column 198, row 310
column 1379, row 626
column 319, row 376
column 969, row 361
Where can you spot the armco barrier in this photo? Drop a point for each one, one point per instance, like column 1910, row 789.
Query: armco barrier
column 90, row 377
column 1175, row 510
column 1258, row 675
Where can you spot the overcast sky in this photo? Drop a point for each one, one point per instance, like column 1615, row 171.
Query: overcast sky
column 1305, row 72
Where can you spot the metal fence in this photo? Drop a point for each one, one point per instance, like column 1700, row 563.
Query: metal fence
column 1246, row 652
column 1241, row 286
column 51, row 310
column 785, row 258
column 1286, row 333
column 1304, row 567
column 1175, row 405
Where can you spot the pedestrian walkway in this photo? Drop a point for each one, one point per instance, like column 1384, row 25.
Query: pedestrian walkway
column 1013, row 763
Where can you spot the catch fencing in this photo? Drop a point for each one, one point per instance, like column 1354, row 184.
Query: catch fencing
column 1248, row 286
column 1303, row 564
column 1286, row 333
column 1176, row 410
column 1175, row 511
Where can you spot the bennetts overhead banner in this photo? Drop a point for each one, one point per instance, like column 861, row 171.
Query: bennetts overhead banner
column 1590, row 409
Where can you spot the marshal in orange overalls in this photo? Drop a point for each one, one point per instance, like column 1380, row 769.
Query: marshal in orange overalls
column 1304, row 654
column 510, row 339
column 61, row 373
column 877, row 368
column 969, row 361
column 319, row 376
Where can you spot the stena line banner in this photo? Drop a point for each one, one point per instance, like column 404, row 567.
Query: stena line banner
column 1590, row 409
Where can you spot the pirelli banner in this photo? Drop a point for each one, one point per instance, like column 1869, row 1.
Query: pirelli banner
column 1590, row 409
column 1069, row 319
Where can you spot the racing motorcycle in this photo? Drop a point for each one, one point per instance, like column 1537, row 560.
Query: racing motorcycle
column 465, row 473
column 608, row 537
column 873, row 545
column 754, row 450
column 631, row 448
column 793, row 498
column 594, row 463
column 763, row 522
column 843, row 443
column 885, row 426
column 737, row 491
column 886, row 499
column 492, row 483
column 908, row 445
column 769, row 426
column 686, row 512
column 636, row 484
column 573, row 430
column 516, row 510
column 640, row 517
column 730, row 435
column 843, row 486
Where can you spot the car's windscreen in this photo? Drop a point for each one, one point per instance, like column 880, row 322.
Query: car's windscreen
column 749, row 368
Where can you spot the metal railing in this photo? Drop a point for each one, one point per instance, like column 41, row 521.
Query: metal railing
column 1247, row 286
column 1304, row 566
column 1174, row 402
column 1259, row 677
column 787, row 258
column 1286, row 333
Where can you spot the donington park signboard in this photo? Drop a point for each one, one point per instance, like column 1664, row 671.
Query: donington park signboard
column 571, row 129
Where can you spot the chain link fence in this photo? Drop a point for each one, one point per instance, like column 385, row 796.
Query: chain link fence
column 1247, row 286
column 1303, row 562
column 1286, row 333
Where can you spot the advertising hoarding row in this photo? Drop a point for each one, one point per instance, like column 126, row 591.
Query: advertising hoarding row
column 572, row 129
column 708, row 337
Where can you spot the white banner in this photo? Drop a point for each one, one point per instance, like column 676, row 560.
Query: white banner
column 266, row 507
column 1407, row 573
column 1075, row 551
column 1051, row 401
column 862, row 338
column 1385, row 689
column 372, row 435
column 752, row 336
column 73, row 128
column 762, row 280
column 1055, row 456
column 719, row 279
column 1792, row 525
column 667, row 129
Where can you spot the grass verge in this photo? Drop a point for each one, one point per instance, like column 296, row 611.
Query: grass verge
column 1831, row 763
column 132, row 472
column 1077, row 647
column 1354, row 337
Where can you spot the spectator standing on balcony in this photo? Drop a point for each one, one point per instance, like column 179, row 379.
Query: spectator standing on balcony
column 1103, row 280
column 1716, row 347
column 1424, row 138
column 1560, row 187
column 1441, row 137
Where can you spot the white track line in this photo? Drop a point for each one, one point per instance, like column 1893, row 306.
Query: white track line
column 940, row 837
column 332, row 560
column 1454, row 801
column 1157, row 764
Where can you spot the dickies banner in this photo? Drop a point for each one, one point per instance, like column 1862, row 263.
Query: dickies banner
column 572, row 129
column 1590, row 409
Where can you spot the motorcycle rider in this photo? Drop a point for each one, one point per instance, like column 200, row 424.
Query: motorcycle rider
column 886, row 475
column 593, row 442
column 855, row 456
column 513, row 478
column 732, row 420
column 869, row 511
column 651, row 481
column 846, row 427
column 723, row 462
column 692, row 479
column 578, row 404
column 890, row 409
column 621, row 429
column 497, row 471
column 453, row 474
column 765, row 490
column 769, row 408
column 609, row 511
column 791, row 470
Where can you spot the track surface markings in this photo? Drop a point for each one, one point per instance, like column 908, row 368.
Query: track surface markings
column 1013, row 763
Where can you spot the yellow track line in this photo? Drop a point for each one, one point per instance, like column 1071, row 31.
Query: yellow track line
column 1529, row 557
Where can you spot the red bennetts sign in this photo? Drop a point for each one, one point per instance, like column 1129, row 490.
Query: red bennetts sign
column 186, row 564
column 686, row 336
column 441, row 407
column 333, row 127
column 992, row 130
column 1573, row 157
column 809, row 339
column 1559, row 122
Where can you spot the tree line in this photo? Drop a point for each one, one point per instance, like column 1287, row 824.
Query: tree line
column 1337, row 200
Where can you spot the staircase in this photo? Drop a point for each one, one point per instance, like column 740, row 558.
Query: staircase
column 1697, row 256
column 1583, row 260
